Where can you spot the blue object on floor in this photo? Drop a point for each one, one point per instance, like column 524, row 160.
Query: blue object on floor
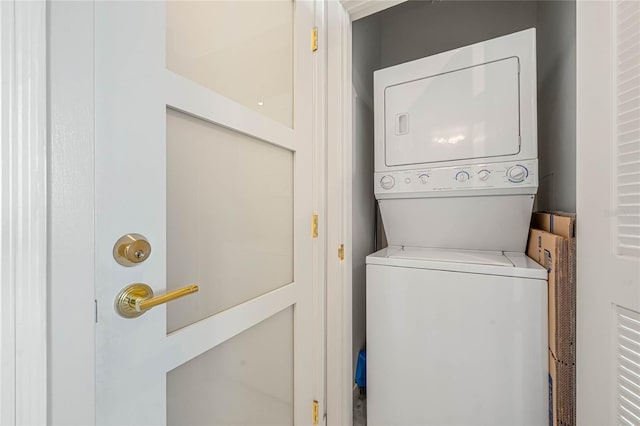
column 361, row 369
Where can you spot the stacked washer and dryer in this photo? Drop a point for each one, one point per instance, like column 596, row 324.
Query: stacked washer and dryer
column 456, row 312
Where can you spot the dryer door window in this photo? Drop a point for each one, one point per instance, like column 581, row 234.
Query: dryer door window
column 459, row 115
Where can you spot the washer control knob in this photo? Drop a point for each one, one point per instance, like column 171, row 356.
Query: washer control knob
column 387, row 182
column 462, row 176
column 483, row 175
column 423, row 178
column 517, row 173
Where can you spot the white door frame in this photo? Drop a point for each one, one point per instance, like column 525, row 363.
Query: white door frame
column 339, row 183
column 71, row 246
column 319, row 196
column 607, row 279
column 340, row 381
column 339, row 324
column 23, row 208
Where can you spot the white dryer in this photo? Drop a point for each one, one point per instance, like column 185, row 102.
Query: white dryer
column 456, row 146
column 456, row 338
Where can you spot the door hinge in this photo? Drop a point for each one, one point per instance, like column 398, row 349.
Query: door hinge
column 341, row 252
column 314, row 412
column 314, row 39
column 314, row 226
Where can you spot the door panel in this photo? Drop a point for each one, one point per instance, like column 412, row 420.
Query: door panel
column 216, row 178
column 242, row 50
column 222, row 193
column 247, row 380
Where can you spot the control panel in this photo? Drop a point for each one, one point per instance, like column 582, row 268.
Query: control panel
column 477, row 176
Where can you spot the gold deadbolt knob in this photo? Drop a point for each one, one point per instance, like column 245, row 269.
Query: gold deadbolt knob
column 131, row 249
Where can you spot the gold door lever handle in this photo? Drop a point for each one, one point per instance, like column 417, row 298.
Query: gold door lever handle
column 135, row 299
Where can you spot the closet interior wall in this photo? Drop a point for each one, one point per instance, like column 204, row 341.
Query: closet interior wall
column 366, row 59
column 556, row 41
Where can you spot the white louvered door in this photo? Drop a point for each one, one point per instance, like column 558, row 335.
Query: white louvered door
column 627, row 122
column 628, row 366
column 608, row 186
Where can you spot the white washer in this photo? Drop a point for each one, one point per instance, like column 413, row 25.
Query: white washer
column 456, row 338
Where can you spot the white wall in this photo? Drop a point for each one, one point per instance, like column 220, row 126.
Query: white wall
column 556, row 23
column 366, row 58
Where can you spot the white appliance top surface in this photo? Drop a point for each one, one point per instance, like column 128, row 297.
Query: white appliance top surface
column 469, row 261
column 441, row 255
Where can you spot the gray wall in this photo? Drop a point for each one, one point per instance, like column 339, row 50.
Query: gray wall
column 366, row 39
column 557, row 105
column 417, row 29
column 366, row 58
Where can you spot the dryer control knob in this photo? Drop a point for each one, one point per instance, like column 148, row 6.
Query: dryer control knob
column 517, row 173
column 387, row 182
column 462, row 176
column 483, row 175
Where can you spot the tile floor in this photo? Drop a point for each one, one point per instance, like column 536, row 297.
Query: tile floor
column 359, row 410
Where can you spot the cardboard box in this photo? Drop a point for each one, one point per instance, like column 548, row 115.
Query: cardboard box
column 553, row 391
column 562, row 224
column 562, row 402
column 551, row 251
column 552, row 244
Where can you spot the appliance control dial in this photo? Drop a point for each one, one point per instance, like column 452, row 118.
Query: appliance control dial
column 423, row 178
column 517, row 173
column 387, row 182
column 483, row 175
column 462, row 176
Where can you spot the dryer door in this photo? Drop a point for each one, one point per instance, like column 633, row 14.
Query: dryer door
column 464, row 114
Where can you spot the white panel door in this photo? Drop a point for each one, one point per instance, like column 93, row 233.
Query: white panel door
column 608, row 212
column 203, row 146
